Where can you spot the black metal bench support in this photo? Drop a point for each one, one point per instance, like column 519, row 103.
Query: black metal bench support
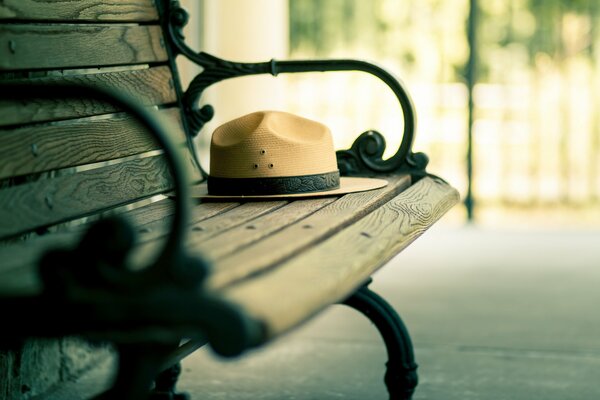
column 164, row 385
column 401, row 376
column 138, row 365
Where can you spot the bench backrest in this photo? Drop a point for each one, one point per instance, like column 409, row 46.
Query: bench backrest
column 65, row 159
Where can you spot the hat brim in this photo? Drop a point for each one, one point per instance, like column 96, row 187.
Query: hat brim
column 347, row 185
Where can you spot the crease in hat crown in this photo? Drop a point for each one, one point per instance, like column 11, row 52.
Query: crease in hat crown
column 267, row 144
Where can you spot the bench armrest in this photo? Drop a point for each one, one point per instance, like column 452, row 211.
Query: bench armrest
column 366, row 154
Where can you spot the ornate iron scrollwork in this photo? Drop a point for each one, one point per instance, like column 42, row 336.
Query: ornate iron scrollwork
column 365, row 155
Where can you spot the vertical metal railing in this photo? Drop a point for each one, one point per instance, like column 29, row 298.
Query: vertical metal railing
column 471, row 79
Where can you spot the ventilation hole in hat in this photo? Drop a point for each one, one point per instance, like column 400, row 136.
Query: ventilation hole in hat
column 263, row 151
column 255, row 166
column 270, row 165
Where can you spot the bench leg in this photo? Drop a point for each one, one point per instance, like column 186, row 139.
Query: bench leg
column 139, row 365
column 401, row 376
column 164, row 385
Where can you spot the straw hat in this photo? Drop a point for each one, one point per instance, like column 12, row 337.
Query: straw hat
column 272, row 154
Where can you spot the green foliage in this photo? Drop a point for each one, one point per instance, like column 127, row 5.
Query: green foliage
column 427, row 38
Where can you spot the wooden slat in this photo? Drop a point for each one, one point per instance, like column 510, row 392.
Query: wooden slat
column 207, row 228
column 145, row 211
column 153, row 86
column 332, row 270
column 160, row 227
column 39, row 148
column 82, row 10
column 237, row 216
column 150, row 213
column 79, row 46
column 18, row 261
column 153, row 235
column 307, row 232
column 245, row 235
column 50, row 201
column 151, row 221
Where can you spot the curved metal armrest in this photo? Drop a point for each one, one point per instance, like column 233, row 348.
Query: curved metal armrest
column 365, row 155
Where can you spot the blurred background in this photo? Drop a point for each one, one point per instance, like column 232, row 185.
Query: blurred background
column 506, row 91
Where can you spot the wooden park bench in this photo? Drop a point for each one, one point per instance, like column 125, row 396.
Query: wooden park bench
column 100, row 238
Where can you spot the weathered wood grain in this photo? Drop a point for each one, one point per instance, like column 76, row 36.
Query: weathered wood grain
column 150, row 86
column 246, row 234
column 50, row 201
column 33, row 46
column 333, row 269
column 160, row 226
column 303, row 234
column 151, row 221
column 243, row 214
column 234, row 215
column 82, row 10
column 152, row 236
column 39, row 148
column 156, row 211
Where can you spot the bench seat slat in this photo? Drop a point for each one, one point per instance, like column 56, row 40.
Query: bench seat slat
column 205, row 229
column 277, row 230
column 150, row 86
column 152, row 212
column 79, row 46
column 50, row 201
column 309, row 231
column 23, row 256
column 217, row 224
column 159, row 227
column 221, row 223
column 39, row 148
column 246, row 234
column 297, row 289
column 82, row 10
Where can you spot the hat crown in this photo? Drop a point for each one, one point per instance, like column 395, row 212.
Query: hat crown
column 271, row 144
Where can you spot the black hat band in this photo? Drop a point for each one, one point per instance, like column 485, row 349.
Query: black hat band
column 273, row 185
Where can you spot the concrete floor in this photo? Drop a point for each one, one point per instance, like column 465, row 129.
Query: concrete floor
column 493, row 315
